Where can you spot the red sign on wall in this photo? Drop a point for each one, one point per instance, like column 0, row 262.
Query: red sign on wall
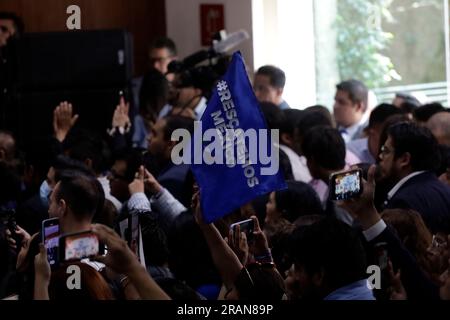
column 212, row 20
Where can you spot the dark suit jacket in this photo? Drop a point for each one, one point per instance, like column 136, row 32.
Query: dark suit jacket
column 428, row 196
column 177, row 180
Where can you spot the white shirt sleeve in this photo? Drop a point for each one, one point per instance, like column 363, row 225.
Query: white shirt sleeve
column 375, row 230
column 139, row 201
column 167, row 205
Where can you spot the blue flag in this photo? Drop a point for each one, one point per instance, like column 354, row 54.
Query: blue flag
column 233, row 155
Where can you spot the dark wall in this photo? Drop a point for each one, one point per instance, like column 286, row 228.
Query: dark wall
column 145, row 19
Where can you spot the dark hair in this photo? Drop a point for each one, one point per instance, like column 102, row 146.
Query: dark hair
column 83, row 144
column 18, row 22
column 81, row 194
column 276, row 76
column 285, row 165
column 311, row 119
column 93, row 285
column 133, row 158
column 63, row 164
column 274, row 116
column 324, row 111
column 297, row 200
column 425, row 112
column 332, row 247
column 408, row 107
column 177, row 122
column 381, row 113
column 260, row 283
column 357, row 91
column 290, row 120
column 397, row 118
column 153, row 94
column 164, row 42
column 413, row 233
column 325, row 146
column 419, row 142
column 409, row 99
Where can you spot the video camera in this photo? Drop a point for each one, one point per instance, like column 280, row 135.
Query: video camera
column 204, row 76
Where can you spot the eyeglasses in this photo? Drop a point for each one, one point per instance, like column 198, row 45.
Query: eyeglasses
column 385, row 151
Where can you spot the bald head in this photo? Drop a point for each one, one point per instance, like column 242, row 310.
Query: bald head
column 439, row 124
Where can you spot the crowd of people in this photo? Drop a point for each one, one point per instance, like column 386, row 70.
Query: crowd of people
column 303, row 245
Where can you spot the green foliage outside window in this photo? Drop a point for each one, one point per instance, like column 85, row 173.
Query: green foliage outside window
column 361, row 41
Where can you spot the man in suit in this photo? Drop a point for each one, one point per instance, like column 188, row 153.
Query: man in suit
column 269, row 85
column 409, row 158
column 375, row 232
column 175, row 178
column 351, row 101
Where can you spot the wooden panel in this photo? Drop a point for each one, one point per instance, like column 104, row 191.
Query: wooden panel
column 145, row 19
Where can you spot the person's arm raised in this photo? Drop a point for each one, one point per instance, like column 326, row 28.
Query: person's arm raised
column 225, row 260
column 122, row 261
column 63, row 120
column 363, row 208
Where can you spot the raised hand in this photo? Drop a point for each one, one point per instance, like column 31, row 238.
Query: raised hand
column 259, row 246
column 362, row 208
column 237, row 241
column 121, row 118
column 63, row 120
column 151, row 184
column 41, row 265
column 396, row 290
column 137, row 186
column 23, row 235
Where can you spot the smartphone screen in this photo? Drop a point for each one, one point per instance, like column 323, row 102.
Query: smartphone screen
column 346, row 185
column 50, row 235
column 80, row 246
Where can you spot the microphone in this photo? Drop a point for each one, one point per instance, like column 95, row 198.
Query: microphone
column 231, row 41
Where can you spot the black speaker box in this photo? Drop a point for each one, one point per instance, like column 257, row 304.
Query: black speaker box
column 86, row 68
column 79, row 59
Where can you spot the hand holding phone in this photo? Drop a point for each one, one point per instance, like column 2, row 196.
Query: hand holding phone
column 78, row 246
column 246, row 226
column 346, row 185
column 50, row 239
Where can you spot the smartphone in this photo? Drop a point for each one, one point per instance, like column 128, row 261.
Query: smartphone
column 50, row 239
column 247, row 226
column 78, row 246
column 346, row 185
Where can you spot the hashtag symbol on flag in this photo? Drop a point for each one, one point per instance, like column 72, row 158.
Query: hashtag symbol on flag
column 222, row 86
